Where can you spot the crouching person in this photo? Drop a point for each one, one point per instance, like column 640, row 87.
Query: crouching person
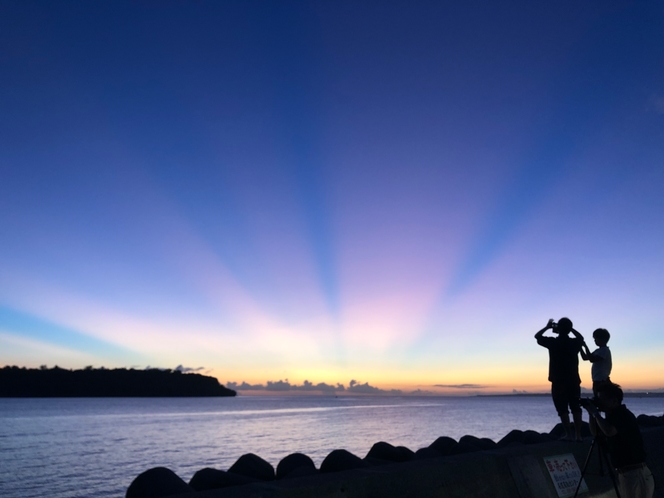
column 624, row 441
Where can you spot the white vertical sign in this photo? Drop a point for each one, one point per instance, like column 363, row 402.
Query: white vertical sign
column 565, row 474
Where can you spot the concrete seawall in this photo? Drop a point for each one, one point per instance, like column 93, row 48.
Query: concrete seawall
column 516, row 470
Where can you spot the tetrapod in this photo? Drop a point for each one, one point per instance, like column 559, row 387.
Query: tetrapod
column 599, row 441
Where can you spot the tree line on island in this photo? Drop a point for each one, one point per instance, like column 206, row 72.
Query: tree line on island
column 102, row 382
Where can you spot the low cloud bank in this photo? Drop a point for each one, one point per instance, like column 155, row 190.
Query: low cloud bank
column 462, row 386
column 322, row 387
column 356, row 387
column 179, row 368
column 188, row 369
column 284, row 385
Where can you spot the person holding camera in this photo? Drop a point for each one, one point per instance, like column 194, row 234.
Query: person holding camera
column 623, row 440
column 564, row 372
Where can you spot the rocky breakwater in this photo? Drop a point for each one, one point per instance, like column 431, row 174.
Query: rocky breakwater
column 471, row 466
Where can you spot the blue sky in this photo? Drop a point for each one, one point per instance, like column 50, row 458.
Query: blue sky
column 399, row 194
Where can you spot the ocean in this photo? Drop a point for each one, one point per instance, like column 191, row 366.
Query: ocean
column 95, row 447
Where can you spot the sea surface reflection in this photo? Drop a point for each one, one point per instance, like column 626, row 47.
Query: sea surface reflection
column 94, row 447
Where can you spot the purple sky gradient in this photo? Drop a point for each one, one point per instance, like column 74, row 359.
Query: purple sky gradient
column 396, row 193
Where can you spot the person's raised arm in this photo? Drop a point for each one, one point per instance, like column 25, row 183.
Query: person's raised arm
column 597, row 421
column 588, row 356
column 577, row 334
column 592, row 358
column 585, row 352
column 549, row 325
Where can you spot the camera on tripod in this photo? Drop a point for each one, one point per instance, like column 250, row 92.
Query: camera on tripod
column 588, row 403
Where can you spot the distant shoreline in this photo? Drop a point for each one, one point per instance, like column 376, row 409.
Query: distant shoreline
column 253, row 393
column 22, row 382
column 627, row 394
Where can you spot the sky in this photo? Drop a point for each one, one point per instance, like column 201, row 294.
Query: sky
column 382, row 195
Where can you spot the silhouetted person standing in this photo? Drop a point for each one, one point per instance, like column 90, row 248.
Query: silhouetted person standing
column 564, row 372
column 600, row 359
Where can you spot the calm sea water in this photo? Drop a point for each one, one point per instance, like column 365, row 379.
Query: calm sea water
column 73, row 447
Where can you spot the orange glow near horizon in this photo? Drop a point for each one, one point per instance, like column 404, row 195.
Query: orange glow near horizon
column 335, row 205
column 520, row 382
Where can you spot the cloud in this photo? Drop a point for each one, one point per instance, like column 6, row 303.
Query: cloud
column 307, row 386
column 357, row 388
column 179, row 368
column 516, row 391
column 462, row 386
column 321, row 386
column 188, row 369
column 285, row 385
column 279, row 385
column 245, row 387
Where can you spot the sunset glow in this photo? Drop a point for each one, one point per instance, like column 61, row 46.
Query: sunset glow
column 395, row 194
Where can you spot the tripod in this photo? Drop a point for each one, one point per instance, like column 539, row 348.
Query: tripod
column 603, row 459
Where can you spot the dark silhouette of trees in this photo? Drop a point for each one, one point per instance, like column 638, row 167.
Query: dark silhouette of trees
column 119, row 382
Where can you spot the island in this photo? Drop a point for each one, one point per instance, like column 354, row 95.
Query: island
column 58, row 382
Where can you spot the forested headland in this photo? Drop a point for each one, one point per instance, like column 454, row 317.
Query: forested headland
column 102, row 382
